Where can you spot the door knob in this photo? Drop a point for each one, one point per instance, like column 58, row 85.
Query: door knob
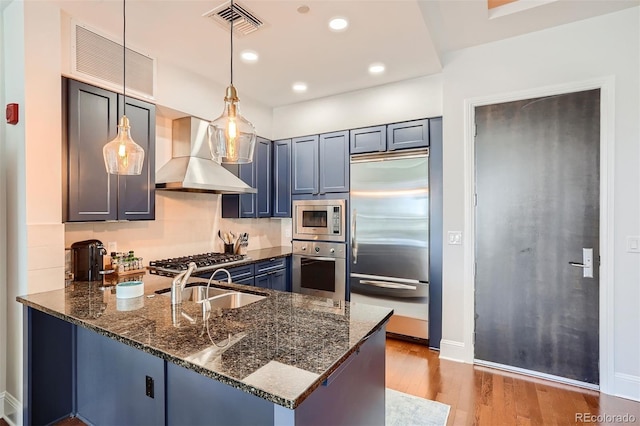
column 587, row 263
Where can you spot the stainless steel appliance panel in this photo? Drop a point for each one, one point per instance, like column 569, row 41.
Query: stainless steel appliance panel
column 390, row 216
column 322, row 220
column 319, row 269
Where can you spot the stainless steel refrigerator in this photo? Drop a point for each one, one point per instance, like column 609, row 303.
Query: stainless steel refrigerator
column 389, row 263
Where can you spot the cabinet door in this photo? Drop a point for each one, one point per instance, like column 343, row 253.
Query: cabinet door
column 334, row 162
column 136, row 194
column 240, row 205
column 279, row 280
column 369, row 139
column 282, row 178
column 263, row 177
column 92, row 116
column 304, row 173
column 410, row 134
column 263, row 281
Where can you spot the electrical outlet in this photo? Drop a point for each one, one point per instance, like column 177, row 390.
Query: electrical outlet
column 455, row 237
column 112, row 247
column 633, row 244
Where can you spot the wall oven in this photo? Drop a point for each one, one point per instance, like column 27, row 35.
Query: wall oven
column 319, row 269
column 320, row 220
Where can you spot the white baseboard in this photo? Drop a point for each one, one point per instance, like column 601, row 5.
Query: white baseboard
column 10, row 409
column 452, row 350
column 626, row 386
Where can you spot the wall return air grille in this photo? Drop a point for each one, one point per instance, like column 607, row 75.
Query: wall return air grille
column 99, row 59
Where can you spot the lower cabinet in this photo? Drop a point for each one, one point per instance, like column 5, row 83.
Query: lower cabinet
column 272, row 274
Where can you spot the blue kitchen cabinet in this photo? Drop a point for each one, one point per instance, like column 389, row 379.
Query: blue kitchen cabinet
column 90, row 118
column 368, row 139
column 409, row 134
column 282, row 178
column 304, row 167
column 334, row 162
column 320, row 163
column 273, row 274
column 263, row 168
column 256, row 174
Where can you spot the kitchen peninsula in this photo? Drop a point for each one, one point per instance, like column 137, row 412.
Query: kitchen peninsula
column 286, row 359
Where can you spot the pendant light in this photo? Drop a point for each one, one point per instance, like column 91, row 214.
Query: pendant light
column 122, row 156
column 232, row 138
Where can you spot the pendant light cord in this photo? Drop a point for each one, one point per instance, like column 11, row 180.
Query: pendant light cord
column 232, row 19
column 124, row 54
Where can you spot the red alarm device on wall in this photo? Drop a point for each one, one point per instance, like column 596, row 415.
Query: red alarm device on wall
column 12, row 113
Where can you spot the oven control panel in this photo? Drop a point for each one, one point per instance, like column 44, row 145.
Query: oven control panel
column 319, row 248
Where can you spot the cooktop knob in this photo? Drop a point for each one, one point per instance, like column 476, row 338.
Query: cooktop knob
column 317, row 249
column 332, row 250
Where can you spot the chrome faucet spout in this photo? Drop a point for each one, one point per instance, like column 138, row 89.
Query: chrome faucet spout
column 222, row 270
column 179, row 282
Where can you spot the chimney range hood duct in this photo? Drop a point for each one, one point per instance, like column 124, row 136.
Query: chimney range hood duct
column 191, row 168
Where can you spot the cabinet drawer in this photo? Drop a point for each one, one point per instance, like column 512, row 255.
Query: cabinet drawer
column 245, row 281
column 270, row 265
column 237, row 273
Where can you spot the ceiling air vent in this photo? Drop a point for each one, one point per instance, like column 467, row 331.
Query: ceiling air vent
column 244, row 21
column 98, row 58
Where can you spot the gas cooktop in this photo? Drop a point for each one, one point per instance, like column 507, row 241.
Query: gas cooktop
column 205, row 262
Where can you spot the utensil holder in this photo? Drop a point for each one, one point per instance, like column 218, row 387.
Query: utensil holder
column 229, row 249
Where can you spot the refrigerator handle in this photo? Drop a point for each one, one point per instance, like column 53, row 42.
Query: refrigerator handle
column 354, row 242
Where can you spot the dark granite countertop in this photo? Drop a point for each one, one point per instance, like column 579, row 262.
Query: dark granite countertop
column 281, row 347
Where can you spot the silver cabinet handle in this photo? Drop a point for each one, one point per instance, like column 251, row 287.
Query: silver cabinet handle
column 389, row 285
column 354, row 242
column 587, row 263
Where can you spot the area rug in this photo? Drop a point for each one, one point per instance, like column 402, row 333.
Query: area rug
column 407, row 410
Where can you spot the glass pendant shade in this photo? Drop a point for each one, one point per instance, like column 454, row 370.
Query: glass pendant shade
column 232, row 138
column 122, row 156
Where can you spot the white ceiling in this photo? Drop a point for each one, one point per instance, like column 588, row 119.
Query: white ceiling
column 409, row 36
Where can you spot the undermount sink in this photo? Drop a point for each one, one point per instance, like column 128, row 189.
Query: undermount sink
column 232, row 300
column 216, row 298
column 196, row 293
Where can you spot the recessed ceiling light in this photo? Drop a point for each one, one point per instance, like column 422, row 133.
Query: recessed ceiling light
column 249, row 56
column 305, row 8
column 338, row 24
column 376, row 68
column 299, row 87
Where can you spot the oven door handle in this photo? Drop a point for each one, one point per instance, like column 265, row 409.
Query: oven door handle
column 383, row 284
column 354, row 242
column 329, row 259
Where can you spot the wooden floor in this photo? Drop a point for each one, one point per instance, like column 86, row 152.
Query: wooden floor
column 483, row 396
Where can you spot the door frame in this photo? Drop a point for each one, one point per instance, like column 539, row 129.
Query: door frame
column 607, row 123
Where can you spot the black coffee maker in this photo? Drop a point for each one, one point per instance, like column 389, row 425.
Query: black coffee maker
column 87, row 260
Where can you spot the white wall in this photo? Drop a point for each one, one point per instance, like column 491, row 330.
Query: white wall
column 405, row 100
column 14, row 86
column 3, row 235
column 594, row 48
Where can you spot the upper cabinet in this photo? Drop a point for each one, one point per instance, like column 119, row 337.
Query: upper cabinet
column 282, row 178
column 256, row 174
column 405, row 135
column 320, row 163
column 90, row 119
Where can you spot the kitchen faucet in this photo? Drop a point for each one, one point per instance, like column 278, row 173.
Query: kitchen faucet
column 179, row 282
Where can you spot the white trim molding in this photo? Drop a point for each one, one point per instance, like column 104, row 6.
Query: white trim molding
column 452, row 350
column 626, row 386
column 606, row 84
column 10, row 409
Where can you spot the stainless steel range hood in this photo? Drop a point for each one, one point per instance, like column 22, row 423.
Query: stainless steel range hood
column 191, row 167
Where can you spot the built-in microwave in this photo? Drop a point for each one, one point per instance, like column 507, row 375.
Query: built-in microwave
column 322, row 220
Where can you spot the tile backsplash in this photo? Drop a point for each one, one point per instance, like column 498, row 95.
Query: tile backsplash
column 186, row 223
